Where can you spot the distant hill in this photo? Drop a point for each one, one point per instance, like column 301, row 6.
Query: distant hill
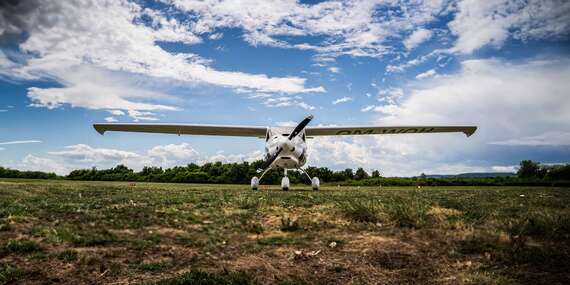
column 473, row 175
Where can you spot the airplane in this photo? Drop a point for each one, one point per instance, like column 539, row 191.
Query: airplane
column 285, row 147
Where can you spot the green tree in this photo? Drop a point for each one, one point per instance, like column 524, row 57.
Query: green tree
column 529, row 169
column 360, row 174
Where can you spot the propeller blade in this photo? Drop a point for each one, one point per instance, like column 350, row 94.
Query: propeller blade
column 268, row 162
column 300, row 127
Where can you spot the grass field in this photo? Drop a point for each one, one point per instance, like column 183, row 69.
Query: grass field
column 118, row 233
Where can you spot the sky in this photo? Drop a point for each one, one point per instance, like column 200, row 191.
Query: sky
column 501, row 65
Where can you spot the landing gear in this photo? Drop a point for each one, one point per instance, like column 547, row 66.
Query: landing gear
column 285, row 183
column 255, row 180
column 315, row 183
column 254, row 183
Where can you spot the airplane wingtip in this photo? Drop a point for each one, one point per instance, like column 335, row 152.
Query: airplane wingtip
column 99, row 129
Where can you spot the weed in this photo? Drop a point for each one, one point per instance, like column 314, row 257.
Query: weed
column 4, row 227
column 276, row 240
column 361, row 210
column 255, row 228
column 22, row 246
column 196, row 277
column 9, row 274
column 539, row 224
column 154, row 266
column 289, row 225
column 93, row 239
column 248, row 202
column 393, row 260
column 67, row 255
column 408, row 211
column 294, row 281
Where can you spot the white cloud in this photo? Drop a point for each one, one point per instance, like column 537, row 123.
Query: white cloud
column 390, row 95
column 367, row 108
column 3, row 110
column 417, row 37
column 20, row 142
column 520, row 104
column 88, row 154
column 142, row 116
column 116, row 112
column 172, row 153
column 334, row 69
column 233, row 158
column 305, row 106
column 286, row 124
column 427, row 74
column 342, row 100
column 110, row 119
column 97, row 89
column 348, row 27
column 37, row 163
column 504, row 168
column 492, row 22
column 216, row 36
column 83, row 156
column 285, row 101
column 546, row 139
column 66, row 38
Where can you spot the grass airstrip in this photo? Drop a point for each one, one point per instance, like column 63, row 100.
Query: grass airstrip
column 151, row 233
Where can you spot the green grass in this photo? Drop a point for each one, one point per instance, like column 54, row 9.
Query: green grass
column 102, row 232
column 67, row 255
column 22, row 246
column 154, row 266
column 9, row 274
column 195, row 277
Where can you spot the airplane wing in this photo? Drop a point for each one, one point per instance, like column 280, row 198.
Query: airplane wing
column 376, row 130
column 185, row 129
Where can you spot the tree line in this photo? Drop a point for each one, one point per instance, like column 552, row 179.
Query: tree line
column 529, row 173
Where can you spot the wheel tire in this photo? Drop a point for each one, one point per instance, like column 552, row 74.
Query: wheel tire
column 254, row 183
column 285, row 183
column 316, row 183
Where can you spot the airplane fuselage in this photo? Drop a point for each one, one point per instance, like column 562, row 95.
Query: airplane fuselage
column 294, row 152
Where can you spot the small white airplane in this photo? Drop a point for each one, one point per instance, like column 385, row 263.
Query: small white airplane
column 285, row 147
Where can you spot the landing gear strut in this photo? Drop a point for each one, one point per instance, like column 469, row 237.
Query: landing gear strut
column 315, row 182
column 285, row 182
column 255, row 180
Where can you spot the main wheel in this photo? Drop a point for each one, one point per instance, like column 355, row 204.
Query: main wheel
column 315, row 183
column 285, row 183
column 254, row 183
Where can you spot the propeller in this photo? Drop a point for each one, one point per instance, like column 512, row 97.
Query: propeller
column 298, row 129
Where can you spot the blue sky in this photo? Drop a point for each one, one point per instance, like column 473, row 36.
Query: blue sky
column 501, row 65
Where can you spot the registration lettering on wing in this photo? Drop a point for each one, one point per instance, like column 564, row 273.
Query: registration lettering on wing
column 385, row 131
